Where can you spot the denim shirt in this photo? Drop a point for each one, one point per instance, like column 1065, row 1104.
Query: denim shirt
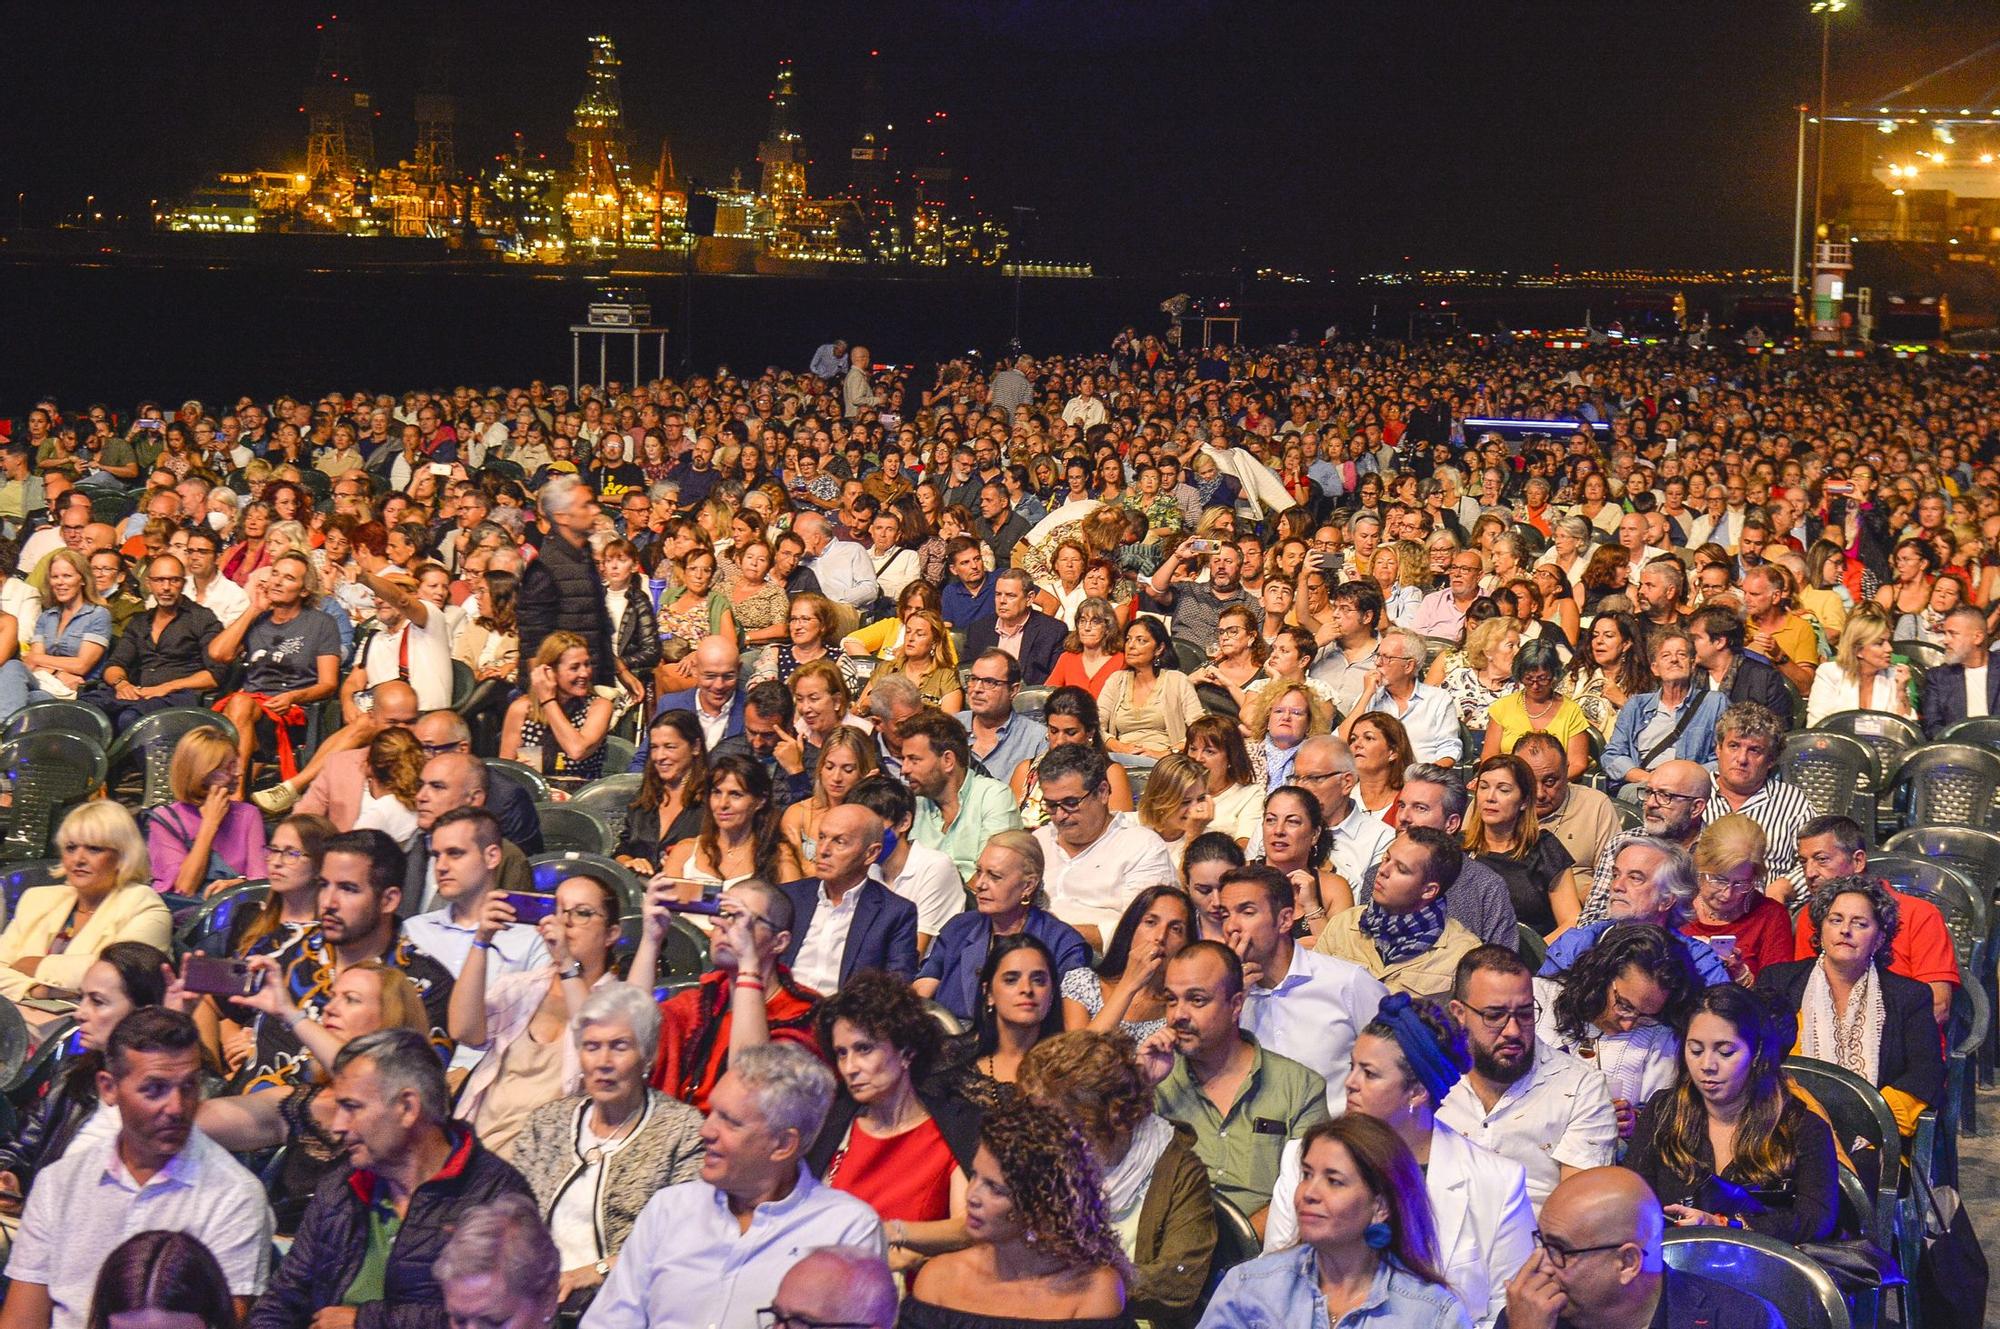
column 1696, row 742
column 92, row 623
column 1281, row 1291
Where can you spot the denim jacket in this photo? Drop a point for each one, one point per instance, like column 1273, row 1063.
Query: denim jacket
column 1696, row 742
column 1281, row 1291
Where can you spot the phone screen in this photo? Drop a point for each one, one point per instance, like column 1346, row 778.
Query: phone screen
column 530, row 906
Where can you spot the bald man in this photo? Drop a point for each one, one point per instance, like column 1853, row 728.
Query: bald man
column 845, row 1285
column 1599, row 1266
column 332, row 783
column 716, row 698
column 1673, row 806
column 446, row 731
column 454, row 780
column 844, row 920
column 165, row 663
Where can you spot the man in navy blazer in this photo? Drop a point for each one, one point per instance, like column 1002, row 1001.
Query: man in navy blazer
column 716, row 698
column 1948, row 689
column 1032, row 637
column 843, row 920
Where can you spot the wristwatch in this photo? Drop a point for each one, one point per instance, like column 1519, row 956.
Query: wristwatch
column 603, row 1268
column 574, row 970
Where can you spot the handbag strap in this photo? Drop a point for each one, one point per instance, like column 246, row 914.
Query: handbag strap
column 1693, row 703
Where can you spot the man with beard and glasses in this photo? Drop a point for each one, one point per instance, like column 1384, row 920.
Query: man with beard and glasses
column 1674, row 808
column 1523, row 1099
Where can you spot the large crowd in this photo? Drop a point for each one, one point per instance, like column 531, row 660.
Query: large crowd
column 1069, row 823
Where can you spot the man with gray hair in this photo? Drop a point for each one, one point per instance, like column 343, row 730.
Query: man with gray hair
column 1652, row 881
column 500, row 1268
column 1436, row 796
column 1359, row 838
column 846, row 574
column 1395, row 686
column 1748, row 739
column 892, row 699
column 1018, row 628
column 369, row 1240
column 711, row 1253
column 850, row 1286
column 561, row 591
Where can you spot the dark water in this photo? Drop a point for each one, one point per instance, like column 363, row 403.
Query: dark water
column 122, row 332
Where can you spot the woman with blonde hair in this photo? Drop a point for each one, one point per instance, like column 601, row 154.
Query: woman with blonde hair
column 106, row 895
column 1729, row 899
column 812, row 627
column 883, row 638
column 394, row 770
column 927, row 659
column 560, row 726
column 1176, row 805
column 1064, row 592
column 1280, row 719
column 844, row 760
column 1863, row 674
column 65, row 651
column 207, row 839
column 1487, row 673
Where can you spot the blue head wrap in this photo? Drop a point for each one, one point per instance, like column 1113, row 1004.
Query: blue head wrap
column 1433, row 1069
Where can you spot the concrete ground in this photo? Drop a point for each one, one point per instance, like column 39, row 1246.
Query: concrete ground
column 1979, row 1183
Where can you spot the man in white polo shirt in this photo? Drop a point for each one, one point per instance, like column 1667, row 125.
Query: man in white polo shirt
column 157, row 1173
column 1096, row 861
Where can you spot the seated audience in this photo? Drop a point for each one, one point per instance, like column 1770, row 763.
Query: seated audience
column 1729, row 899
column 1505, row 835
column 1653, row 882
column 1070, row 716
column 1176, row 806
column 1126, row 990
column 1091, row 654
column 163, row 1278
column 500, row 1267
column 1831, row 848
column 1403, row 936
column 843, row 920
column 1581, row 818
column 1018, row 1008
column 958, row 809
column 1675, row 721
column 559, row 726
column 1096, row 860
column 1621, row 1008
column 663, row 813
column 1007, row 900
column 739, row 838
column 1863, row 674
column 1537, row 708
column 1147, row 705
column 846, row 758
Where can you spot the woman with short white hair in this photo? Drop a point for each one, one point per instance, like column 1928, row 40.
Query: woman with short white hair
column 594, row 1159
column 106, row 895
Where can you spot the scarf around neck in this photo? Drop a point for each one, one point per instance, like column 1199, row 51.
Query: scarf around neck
column 1853, row 1041
column 1400, row 937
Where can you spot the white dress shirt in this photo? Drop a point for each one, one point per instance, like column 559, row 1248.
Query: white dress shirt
column 714, row 728
column 1314, row 1014
column 846, row 574
column 930, row 881
column 85, row 1203
column 818, row 962
column 688, row 1265
column 221, row 597
column 1093, row 888
column 1429, row 718
column 516, row 950
column 1556, row 1116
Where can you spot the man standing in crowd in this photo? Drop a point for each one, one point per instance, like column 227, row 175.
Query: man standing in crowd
column 562, row 590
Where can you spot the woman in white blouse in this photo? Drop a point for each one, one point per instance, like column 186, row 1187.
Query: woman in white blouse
column 1863, row 675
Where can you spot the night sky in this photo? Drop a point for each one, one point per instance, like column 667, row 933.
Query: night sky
column 1150, row 136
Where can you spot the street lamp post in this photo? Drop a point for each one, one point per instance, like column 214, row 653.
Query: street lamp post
column 1799, row 202
column 1825, row 9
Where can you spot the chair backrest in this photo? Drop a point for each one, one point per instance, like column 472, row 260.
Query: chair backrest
column 1031, row 702
column 1923, row 654
column 553, row 867
column 568, row 828
column 1630, row 816
column 618, row 754
column 1952, row 784
column 1236, row 1242
column 1974, row 854
column 52, row 772
column 463, row 681
column 62, row 717
column 1803, row 1294
column 527, row 777
column 1835, row 772
column 1944, row 886
column 22, row 877
column 207, row 929
column 944, row 1019
column 1529, row 943
column 1982, row 732
column 609, row 800
column 1887, row 735
column 1856, row 1213
column 1862, row 1118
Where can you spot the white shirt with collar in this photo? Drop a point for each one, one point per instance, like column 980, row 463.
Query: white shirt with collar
column 1359, row 842
column 84, row 1204
column 688, row 1264
column 516, row 950
column 1314, row 1014
column 714, row 728
column 817, row 965
column 1093, row 888
column 1557, row 1115
column 846, row 574
column 221, row 597
column 1429, row 718
column 930, row 881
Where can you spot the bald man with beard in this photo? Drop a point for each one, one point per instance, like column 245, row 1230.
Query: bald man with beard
column 1599, row 1265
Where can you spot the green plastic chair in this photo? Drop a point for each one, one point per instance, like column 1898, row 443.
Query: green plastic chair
column 52, row 772
column 527, row 777
column 566, row 828
column 610, row 801
column 147, row 749
column 1804, row 1294
column 61, row 717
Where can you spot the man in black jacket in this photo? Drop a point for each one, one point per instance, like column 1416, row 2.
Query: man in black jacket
column 561, row 590
column 1718, row 649
column 363, row 1254
column 1018, row 628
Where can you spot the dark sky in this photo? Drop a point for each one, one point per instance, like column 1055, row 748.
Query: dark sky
column 1151, row 135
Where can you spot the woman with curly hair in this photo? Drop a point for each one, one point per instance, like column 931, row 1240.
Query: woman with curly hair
column 1280, row 719
column 898, row 1135
column 1155, row 1187
column 1366, row 1240
column 1405, row 1062
column 1734, row 1116
column 1622, row 1007
column 1609, row 671
column 1608, row 574
column 1043, row 1249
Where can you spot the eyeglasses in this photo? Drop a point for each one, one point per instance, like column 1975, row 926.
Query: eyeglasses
column 770, row 1317
column 579, row 914
column 732, row 916
column 1068, row 805
column 1561, row 1252
column 290, row 855
column 1669, row 796
column 1496, row 1018
column 975, row 680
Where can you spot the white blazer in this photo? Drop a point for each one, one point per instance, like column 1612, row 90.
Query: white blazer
column 1485, row 1226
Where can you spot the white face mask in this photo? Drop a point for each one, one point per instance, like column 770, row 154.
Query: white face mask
column 218, row 521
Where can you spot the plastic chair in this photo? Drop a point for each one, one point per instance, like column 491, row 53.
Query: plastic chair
column 1804, row 1294
column 944, row 1019
column 1528, row 942
column 1031, row 702
column 207, row 929
column 1798, row 711
column 1236, row 1242
column 1951, row 784
column 147, row 747
column 1834, row 771
column 1971, row 1016
column 1982, row 732
column 610, row 801
column 565, row 828
column 1976, row 855
column 552, row 868
column 1217, row 701
column 1923, row 654
column 1631, row 817
column 1944, row 886
column 463, row 681
column 527, row 777
column 39, row 1067
column 1862, row 1124
column 61, row 717
column 110, row 508
column 1887, row 735
column 618, row 754
column 23, row 877
column 51, row 772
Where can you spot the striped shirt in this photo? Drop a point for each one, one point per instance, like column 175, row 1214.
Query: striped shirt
column 1781, row 809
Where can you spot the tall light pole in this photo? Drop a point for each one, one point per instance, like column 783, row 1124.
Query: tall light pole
column 1799, row 202
column 1826, row 9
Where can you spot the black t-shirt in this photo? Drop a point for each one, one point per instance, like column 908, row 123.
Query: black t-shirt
column 615, row 481
column 1530, row 879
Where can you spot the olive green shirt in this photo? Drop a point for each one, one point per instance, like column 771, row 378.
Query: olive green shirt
column 370, row 1279
column 1279, row 1099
